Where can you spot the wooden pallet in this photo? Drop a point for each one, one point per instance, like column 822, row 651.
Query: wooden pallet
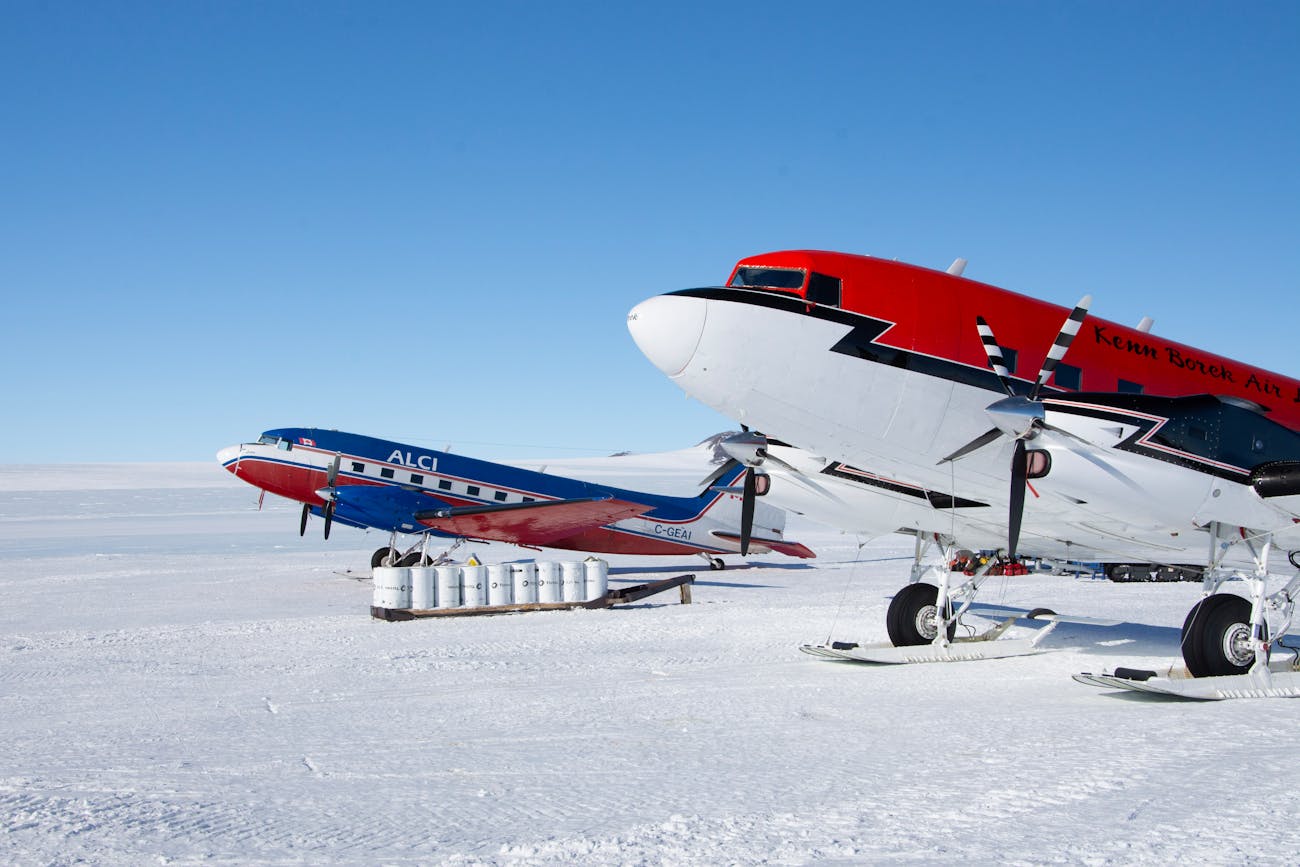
column 621, row 596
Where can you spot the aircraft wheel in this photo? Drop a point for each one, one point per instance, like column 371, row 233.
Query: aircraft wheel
column 912, row 617
column 1216, row 636
column 382, row 557
column 717, row 564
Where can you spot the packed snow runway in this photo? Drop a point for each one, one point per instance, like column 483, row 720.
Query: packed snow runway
column 183, row 679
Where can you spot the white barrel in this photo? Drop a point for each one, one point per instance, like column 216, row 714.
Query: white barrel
column 498, row 584
column 423, row 579
column 448, row 592
column 392, row 586
column 523, row 580
column 573, row 580
column 597, row 577
column 548, row 582
column 473, row 586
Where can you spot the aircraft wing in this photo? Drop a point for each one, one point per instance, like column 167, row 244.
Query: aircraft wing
column 790, row 549
column 530, row 523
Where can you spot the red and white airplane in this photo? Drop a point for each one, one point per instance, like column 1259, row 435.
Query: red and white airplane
column 364, row 482
column 947, row 404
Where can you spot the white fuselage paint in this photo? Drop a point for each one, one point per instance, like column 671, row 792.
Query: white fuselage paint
column 773, row 371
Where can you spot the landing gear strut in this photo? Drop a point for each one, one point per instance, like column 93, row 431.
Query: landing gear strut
column 1226, row 633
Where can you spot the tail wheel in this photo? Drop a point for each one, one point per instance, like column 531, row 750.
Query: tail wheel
column 1216, row 636
column 913, row 616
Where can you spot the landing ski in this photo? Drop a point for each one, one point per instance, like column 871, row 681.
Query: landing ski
column 957, row 651
column 1278, row 684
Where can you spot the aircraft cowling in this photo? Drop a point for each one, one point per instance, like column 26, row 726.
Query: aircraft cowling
column 1276, row 479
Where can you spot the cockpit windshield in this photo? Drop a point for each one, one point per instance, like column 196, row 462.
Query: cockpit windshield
column 279, row 442
column 769, row 278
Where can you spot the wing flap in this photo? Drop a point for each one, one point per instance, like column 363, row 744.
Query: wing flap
column 530, row 523
column 780, row 546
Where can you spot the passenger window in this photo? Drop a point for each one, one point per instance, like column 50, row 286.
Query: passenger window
column 472, row 490
column 444, row 485
column 1009, row 358
column 417, row 480
column 1068, row 376
column 1126, row 387
column 386, row 473
column 358, row 467
column 501, row 496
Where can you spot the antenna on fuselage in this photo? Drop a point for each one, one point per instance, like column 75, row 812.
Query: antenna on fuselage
column 1145, row 325
column 958, row 265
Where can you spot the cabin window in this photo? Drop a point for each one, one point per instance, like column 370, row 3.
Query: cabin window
column 768, row 278
column 444, row 485
column 500, row 496
column 1126, row 387
column 417, row 480
column 358, row 467
column 386, row 472
column 823, row 290
column 1068, row 376
column 472, row 490
column 1009, row 357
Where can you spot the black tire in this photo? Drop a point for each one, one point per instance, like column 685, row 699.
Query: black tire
column 717, row 564
column 415, row 558
column 911, row 616
column 380, row 555
column 1216, row 636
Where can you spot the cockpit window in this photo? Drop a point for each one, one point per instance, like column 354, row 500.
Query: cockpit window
column 824, row 290
column 279, row 442
column 769, row 278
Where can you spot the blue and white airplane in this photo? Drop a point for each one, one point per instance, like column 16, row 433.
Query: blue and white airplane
column 366, row 482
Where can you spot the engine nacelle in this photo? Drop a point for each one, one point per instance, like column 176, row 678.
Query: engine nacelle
column 1276, row 479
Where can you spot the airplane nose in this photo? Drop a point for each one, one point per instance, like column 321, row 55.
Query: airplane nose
column 667, row 328
column 228, row 454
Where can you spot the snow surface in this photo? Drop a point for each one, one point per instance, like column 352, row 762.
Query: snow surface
column 183, row 679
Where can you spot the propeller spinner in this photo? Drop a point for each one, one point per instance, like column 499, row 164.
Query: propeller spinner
column 329, row 494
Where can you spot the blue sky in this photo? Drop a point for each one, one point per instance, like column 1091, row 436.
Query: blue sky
column 428, row 221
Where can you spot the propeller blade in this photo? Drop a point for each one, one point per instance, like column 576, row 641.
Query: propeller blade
column 333, row 472
column 329, row 517
column 1062, row 343
column 994, row 352
column 1019, row 481
column 978, row 443
column 302, row 526
column 747, row 511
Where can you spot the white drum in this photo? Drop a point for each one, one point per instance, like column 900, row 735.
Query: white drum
column 423, row 579
column 597, row 577
column 573, row 580
column 448, row 589
column 498, row 584
column 548, row 582
column 392, row 586
column 523, row 580
column 473, row 586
